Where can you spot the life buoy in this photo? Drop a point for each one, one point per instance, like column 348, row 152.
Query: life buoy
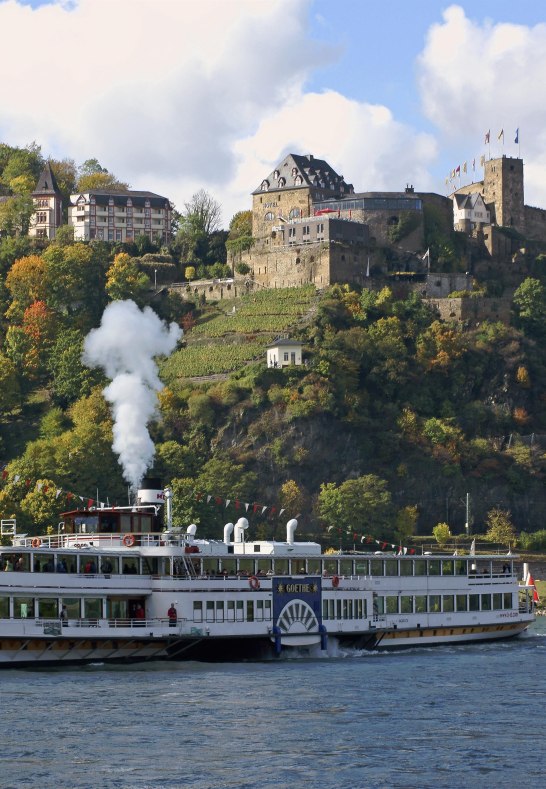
column 254, row 583
column 335, row 581
column 129, row 540
column 36, row 542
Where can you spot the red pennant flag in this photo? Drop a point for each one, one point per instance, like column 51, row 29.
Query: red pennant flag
column 4, row 474
column 27, row 481
column 273, row 510
column 218, row 500
column 236, row 504
column 89, row 503
column 255, row 508
column 69, row 496
column 45, row 488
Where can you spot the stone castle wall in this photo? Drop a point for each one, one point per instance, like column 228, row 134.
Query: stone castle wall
column 472, row 310
column 535, row 224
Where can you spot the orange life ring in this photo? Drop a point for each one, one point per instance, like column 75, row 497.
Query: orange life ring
column 129, row 540
column 36, row 542
column 254, row 583
column 335, row 581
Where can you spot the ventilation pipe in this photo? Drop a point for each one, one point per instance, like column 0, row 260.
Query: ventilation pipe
column 168, row 508
column 190, row 532
column 228, row 529
column 239, row 530
column 291, row 527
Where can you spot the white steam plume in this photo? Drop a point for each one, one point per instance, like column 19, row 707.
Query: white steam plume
column 124, row 346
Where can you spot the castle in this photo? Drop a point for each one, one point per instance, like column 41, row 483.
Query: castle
column 310, row 226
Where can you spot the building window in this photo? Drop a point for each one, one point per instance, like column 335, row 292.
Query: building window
column 269, row 217
column 265, row 186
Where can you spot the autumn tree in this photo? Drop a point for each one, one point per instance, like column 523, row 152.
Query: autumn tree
column 124, row 280
column 26, row 284
column 500, row 528
column 442, row 534
column 292, row 498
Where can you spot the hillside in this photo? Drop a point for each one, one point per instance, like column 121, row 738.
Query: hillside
column 391, row 421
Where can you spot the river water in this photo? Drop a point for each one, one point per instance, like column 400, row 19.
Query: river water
column 465, row 716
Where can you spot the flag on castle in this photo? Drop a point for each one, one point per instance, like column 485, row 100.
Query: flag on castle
column 426, row 257
column 464, row 167
column 458, row 169
column 516, row 140
column 487, row 136
column 501, row 134
column 473, row 164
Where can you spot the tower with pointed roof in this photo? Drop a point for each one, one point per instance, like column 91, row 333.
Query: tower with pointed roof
column 48, row 204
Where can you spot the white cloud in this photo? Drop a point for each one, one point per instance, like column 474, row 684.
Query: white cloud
column 480, row 76
column 175, row 96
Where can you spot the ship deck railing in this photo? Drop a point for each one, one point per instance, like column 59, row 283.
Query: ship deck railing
column 110, row 623
column 97, row 540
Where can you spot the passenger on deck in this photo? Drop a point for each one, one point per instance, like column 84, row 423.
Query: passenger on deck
column 173, row 616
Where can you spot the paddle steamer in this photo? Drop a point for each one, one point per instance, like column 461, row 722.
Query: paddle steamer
column 122, row 584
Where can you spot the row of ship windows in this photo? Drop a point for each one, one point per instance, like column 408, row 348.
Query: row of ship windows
column 232, row 566
column 447, row 603
column 260, row 610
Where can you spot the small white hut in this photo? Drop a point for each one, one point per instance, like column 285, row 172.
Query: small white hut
column 283, row 353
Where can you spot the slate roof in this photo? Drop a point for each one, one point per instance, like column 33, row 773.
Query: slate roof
column 47, row 183
column 297, row 171
column 468, row 201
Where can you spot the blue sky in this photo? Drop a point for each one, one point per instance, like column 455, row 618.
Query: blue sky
column 174, row 95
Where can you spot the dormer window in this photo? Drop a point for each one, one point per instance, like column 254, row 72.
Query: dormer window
column 276, row 174
column 282, row 182
column 298, row 180
column 265, row 186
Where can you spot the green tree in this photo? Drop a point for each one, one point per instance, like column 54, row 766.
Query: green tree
column 15, row 214
column 500, row 528
column 70, row 379
column 530, row 307
column 362, row 504
column 406, row 520
column 10, row 391
column 203, row 212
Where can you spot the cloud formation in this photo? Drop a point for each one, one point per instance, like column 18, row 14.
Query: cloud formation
column 174, row 96
column 476, row 76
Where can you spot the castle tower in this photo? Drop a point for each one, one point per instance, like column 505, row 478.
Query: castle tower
column 503, row 189
column 48, row 204
column 288, row 193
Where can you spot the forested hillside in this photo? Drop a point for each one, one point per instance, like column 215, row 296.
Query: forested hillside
column 391, row 421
